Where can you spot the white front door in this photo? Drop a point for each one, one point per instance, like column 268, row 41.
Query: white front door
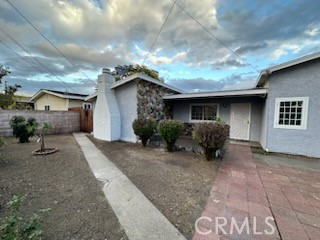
column 240, row 121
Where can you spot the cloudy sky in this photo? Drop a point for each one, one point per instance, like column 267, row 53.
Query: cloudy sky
column 252, row 35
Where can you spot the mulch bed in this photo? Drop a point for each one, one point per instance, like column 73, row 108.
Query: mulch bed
column 177, row 183
column 61, row 181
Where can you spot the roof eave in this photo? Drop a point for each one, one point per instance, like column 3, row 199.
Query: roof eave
column 268, row 71
column 91, row 96
column 236, row 93
column 146, row 78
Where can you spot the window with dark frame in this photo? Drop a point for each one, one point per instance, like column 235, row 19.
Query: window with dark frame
column 87, row 106
column 203, row 112
column 47, row 107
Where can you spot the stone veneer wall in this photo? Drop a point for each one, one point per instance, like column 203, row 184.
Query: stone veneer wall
column 150, row 101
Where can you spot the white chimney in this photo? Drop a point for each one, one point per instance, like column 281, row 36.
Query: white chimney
column 106, row 116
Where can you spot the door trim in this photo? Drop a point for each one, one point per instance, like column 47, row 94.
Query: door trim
column 249, row 125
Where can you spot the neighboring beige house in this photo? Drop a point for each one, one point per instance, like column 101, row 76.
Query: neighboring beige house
column 51, row 100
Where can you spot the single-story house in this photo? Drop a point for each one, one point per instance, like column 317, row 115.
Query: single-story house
column 51, row 100
column 282, row 111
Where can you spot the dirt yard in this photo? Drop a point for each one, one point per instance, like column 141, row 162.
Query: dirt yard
column 62, row 182
column 177, row 183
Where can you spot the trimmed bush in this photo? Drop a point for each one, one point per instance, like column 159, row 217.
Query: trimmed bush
column 22, row 128
column 211, row 136
column 144, row 128
column 170, row 130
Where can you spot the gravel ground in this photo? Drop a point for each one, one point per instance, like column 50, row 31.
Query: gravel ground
column 61, row 181
column 177, row 183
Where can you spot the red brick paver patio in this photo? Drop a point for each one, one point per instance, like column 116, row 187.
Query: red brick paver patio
column 260, row 197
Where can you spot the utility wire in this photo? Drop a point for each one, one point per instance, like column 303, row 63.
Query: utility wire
column 51, row 43
column 156, row 38
column 23, row 48
column 26, row 62
column 216, row 38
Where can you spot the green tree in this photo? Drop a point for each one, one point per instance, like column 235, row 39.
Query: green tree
column 3, row 72
column 23, row 128
column 7, row 97
column 127, row 70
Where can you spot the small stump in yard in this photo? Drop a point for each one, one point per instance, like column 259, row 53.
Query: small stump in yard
column 45, row 151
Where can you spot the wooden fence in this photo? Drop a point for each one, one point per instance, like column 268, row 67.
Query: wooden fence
column 86, row 119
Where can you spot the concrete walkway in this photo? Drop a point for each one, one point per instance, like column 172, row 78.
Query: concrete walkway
column 254, row 191
column 140, row 219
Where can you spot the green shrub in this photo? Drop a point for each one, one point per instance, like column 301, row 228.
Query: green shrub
column 170, row 130
column 22, row 128
column 144, row 128
column 15, row 226
column 211, row 136
column 2, row 141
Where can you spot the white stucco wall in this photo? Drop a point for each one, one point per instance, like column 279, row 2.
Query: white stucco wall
column 106, row 116
column 126, row 96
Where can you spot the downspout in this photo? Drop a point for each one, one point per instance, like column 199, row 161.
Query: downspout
column 268, row 74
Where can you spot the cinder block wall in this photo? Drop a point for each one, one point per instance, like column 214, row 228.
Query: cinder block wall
column 62, row 121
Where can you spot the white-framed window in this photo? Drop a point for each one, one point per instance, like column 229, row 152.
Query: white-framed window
column 86, row 105
column 291, row 113
column 47, row 107
column 203, row 112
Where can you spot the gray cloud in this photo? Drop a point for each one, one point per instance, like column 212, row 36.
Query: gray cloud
column 229, row 63
column 234, row 81
column 197, row 84
column 282, row 22
column 251, row 48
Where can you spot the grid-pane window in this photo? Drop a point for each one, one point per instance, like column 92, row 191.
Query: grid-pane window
column 197, row 113
column 204, row 113
column 47, row 107
column 291, row 113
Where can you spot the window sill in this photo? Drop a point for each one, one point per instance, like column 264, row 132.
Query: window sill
column 290, row 127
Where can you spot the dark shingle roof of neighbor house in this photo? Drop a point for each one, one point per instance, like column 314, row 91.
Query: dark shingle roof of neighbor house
column 268, row 71
column 67, row 93
column 58, row 94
